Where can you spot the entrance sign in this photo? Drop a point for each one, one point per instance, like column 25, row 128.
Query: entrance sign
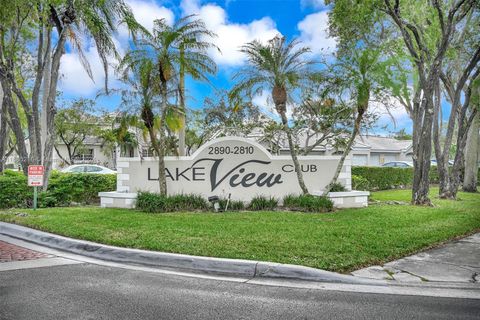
column 35, row 176
column 230, row 165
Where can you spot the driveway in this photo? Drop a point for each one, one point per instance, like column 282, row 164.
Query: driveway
column 41, row 284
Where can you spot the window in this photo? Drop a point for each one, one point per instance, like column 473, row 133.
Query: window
column 390, row 164
column 402, row 165
column 147, row 152
column 84, row 155
column 93, row 169
column 78, row 169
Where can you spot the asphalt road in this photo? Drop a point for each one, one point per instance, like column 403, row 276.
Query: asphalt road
column 86, row 291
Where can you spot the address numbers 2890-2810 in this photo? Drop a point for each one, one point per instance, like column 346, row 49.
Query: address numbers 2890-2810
column 231, row 150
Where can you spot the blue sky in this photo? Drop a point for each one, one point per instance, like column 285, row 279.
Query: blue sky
column 235, row 22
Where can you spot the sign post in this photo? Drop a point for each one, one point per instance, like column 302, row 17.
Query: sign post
column 35, row 179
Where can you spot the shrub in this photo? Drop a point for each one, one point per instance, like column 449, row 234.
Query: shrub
column 154, row 202
column 63, row 189
column 45, row 200
column 383, row 178
column 79, row 187
column 359, row 183
column 233, row 205
column 259, row 203
column 14, row 191
column 308, row 203
column 337, row 187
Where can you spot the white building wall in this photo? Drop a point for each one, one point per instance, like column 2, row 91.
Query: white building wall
column 99, row 157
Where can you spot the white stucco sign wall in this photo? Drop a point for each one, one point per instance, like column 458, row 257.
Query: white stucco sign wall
column 229, row 165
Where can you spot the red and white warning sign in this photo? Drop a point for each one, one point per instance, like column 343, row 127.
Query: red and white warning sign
column 35, row 176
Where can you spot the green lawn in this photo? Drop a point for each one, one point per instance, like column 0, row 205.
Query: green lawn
column 341, row 241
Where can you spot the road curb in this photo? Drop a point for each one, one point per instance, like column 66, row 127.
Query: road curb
column 219, row 266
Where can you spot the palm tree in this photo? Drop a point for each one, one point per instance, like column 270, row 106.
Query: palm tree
column 191, row 39
column 278, row 66
column 141, row 74
column 165, row 54
column 71, row 19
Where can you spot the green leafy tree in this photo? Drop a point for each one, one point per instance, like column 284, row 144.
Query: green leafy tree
column 402, row 135
column 419, row 34
column 73, row 125
column 44, row 29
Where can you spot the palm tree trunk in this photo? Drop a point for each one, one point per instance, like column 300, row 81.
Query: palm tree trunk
column 356, row 130
column 181, row 133
column 162, row 179
column 472, row 154
column 293, row 152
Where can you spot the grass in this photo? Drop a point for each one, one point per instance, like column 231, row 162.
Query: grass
column 341, row 241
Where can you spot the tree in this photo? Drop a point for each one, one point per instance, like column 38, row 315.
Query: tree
column 472, row 152
column 426, row 30
column 141, row 76
column 192, row 41
column 220, row 117
column 161, row 55
column 22, row 22
column 365, row 72
column 459, row 75
column 402, row 135
column 119, row 135
column 3, row 131
column 73, row 125
column 280, row 67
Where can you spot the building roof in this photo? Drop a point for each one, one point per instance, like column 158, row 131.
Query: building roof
column 379, row 143
column 371, row 142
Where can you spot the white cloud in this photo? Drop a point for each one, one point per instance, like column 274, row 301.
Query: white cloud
column 314, row 33
column 317, row 4
column 147, row 11
column 75, row 80
column 231, row 36
column 391, row 113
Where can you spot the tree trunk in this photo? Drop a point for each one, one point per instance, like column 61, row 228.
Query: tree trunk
column 472, row 156
column 3, row 131
column 441, row 156
column 472, row 151
column 162, row 179
column 356, row 130
column 293, row 152
column 459, row 162
column 15, row 124
column 183, row 111
column 422, row 149
column 46, row 85
column 51, row 108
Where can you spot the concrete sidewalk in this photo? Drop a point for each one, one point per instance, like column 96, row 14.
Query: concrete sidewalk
column 456, row 261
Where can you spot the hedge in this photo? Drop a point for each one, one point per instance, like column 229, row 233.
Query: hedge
column 384, row 178
column 64, row 189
